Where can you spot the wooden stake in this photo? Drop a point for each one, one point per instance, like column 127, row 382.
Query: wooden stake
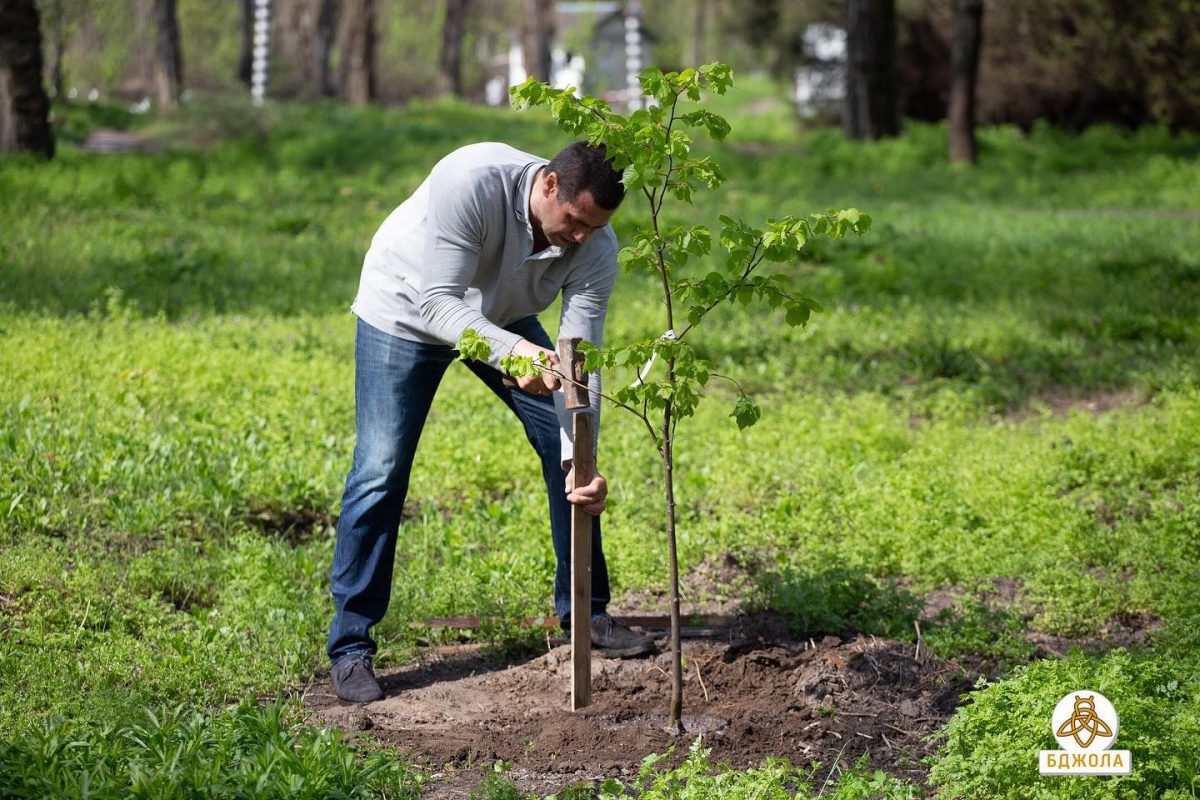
column 581, row 567
column 583, row 432
column 571, row 364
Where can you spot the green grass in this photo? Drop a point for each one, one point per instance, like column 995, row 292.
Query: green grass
column 176, row 420
column 246, row 751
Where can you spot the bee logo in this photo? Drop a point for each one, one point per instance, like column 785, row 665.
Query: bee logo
column 1085, row 725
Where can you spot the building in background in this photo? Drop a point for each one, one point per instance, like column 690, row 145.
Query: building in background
column 595, row 44
column 820, row 81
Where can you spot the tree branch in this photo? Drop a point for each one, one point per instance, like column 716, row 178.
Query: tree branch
column 751, row 265
column 642, row 415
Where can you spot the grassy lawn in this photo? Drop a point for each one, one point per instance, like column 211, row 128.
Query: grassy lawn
column 1004, row 385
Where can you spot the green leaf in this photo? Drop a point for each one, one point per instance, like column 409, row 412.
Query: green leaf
column 652, row 81
column 522, row 366
column 632, row 177
column 797, row 314
column 719, row 76
column 593, row 358
column 745, row 412
column 473, row 347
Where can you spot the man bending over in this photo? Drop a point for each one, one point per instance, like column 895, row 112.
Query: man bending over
column 487, row 241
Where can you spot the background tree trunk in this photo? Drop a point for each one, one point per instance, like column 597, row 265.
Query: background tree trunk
column 699, row 32
column 964, row 64
column 58, row 80
column 871, row 109
column 453, row 27
column 168, row 57
column 24, row 107
column 537, row 32
column 245, row 55
column 356, row 77
column 298, row 28
column 326, row 30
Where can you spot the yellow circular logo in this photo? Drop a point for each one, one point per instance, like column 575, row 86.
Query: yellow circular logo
column 1085, row 721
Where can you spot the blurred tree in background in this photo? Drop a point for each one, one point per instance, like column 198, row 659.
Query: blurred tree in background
column 1078, row 62
column 454, row 25
column 968, row 31
column 871, row 110
column 537, row 34
column 356, row 73
column 23, row 102
column 168, row 57
column 1069, row 62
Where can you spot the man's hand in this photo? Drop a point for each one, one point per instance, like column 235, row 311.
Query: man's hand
column 540, row 384
column 591, row 497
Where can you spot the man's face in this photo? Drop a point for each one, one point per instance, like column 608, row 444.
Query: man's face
column 570, row 221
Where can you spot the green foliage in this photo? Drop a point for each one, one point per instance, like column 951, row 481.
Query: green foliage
column 496, row 786
column 991, row 745
column 176, row 404
column 472, row 347
column 697, row 778
column 248, row 751
column 975, row 627
column 837, row 600
column 657, row 159
column 776, row 779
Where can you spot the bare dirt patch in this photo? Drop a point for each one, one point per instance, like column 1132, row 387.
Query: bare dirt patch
column 1135, row 629
column 756, row 692
column 1127, row 629
column 1060, row 401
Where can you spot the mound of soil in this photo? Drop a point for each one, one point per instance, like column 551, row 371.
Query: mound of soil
column 755, row 693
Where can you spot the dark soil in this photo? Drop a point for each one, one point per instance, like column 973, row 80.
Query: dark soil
column 1128, row 630
column 1124, row 630
column 756, row 692
column 296, row 526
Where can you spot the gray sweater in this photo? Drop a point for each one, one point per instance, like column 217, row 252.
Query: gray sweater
column 456, row 255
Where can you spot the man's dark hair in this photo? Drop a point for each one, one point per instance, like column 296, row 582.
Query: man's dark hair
column 581, row 167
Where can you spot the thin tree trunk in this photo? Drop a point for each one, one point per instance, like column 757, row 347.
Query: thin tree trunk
column 699, row 31
column 326, row 30
column 24, row 107
column 537, row 32
column 968, row 39
column 453, row 28
column 57, row 78
column 356, row 77
column 245, row 55
column 168, row 62
column 675, row 719
column 871, row 107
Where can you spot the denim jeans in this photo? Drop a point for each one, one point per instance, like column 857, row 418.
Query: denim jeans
column 394, row 383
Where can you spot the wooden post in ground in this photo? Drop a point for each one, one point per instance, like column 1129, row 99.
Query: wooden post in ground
column 583, row 434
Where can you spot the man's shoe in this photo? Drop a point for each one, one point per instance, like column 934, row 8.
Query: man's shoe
column 354, row 679
column 617, row 640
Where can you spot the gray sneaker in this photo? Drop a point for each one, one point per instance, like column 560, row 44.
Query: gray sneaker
column 616, row 638
column 354, row 679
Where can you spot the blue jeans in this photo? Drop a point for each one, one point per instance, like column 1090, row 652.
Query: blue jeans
column 394, row 383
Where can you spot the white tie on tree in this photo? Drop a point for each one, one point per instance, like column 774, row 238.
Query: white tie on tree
column 258, row 68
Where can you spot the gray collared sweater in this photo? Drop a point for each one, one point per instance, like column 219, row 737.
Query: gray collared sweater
column 457, row 255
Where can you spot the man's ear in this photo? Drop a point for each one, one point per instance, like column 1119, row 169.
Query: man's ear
column 549, row 183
